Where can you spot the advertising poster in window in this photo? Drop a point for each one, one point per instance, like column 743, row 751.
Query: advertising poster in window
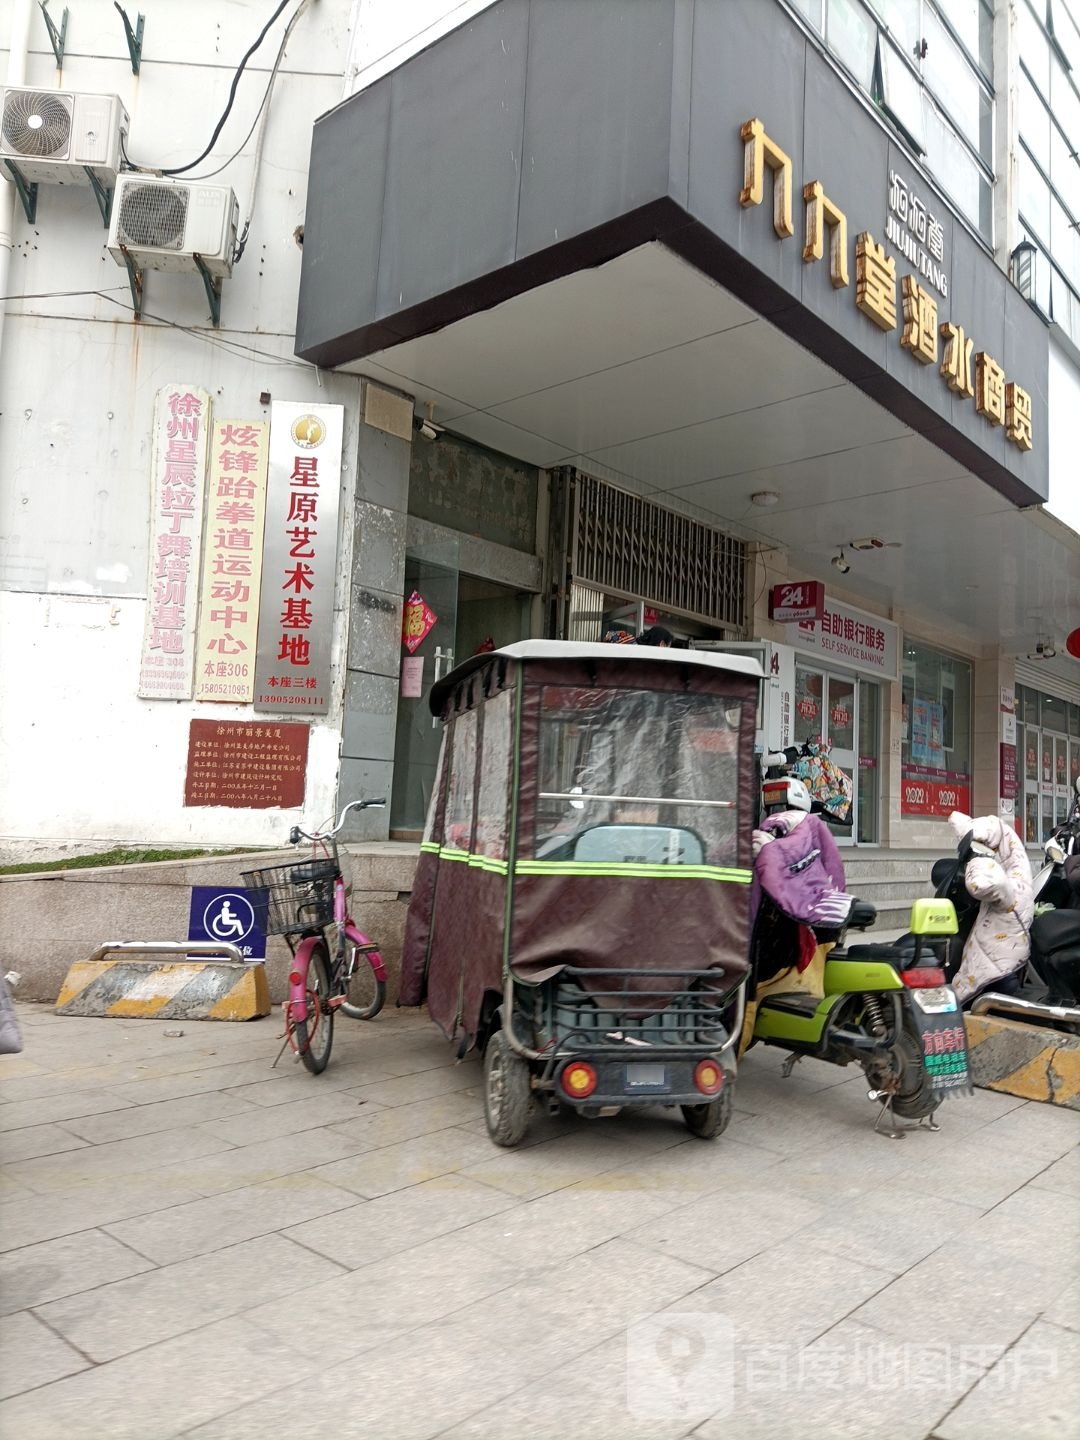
column 296, row 611
column 178, row 480
column 232, row 562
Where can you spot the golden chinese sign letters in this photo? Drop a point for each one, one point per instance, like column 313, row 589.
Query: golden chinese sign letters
column 998, row 400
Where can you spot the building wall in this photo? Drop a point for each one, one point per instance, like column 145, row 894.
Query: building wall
column 84, row 763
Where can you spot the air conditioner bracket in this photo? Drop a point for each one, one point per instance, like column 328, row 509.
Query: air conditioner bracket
column 57, row 38
column 213, row 290
column 134, row 37
column 27, row 192
column 135, row 280
column 101, row 195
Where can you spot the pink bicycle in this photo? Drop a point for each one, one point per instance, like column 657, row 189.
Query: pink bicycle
column 302, row 902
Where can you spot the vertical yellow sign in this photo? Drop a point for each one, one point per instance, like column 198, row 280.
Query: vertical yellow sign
column 232, row 562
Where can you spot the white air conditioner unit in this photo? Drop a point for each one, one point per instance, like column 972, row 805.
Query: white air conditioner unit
column 54, row 136
column 164, row 224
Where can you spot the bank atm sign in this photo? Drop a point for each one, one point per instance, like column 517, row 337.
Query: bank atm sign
column 793, row 603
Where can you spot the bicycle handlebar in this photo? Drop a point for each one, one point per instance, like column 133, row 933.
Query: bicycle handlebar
column 296, row 834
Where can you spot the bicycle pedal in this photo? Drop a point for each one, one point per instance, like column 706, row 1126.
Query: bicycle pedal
column 366, row 949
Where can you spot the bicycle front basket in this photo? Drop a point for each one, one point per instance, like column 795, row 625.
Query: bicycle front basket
column 288, row 899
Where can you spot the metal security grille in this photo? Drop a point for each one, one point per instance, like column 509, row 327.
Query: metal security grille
column 626, row 545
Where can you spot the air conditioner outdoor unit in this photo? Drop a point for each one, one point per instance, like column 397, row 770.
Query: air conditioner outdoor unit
column 54, row 136
column 164, row 224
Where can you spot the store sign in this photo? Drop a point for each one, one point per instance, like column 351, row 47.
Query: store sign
column 1010, row 785
column 181, row 427
column 851, row 637
column 967, row 372
column 246, row 766
column 232, row 562
column 937, row 795
column 296, row 613
column 916, row 233
column 803, row 600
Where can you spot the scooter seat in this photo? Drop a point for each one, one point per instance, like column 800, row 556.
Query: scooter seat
column 791, row 1002
column 1056, row 930
column 891, row 954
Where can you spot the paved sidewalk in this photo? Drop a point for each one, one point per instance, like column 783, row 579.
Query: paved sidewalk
column 195, row 1245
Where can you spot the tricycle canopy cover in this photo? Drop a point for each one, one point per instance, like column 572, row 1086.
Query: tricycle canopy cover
column 593, row 807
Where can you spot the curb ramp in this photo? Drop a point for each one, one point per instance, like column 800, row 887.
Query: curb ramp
column 166, row 980
column 1028, row 1061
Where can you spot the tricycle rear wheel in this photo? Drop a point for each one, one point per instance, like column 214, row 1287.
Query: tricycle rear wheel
column 507, row 1092
column 711, row 1119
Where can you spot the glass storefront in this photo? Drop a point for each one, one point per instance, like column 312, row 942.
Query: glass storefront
column 936, row 733
column 846, row 713
column 1048, row 751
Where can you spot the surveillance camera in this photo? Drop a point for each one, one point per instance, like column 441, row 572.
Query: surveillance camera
column 427, row 430
column 841, row 564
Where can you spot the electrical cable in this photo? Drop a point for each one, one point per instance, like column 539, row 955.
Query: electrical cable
column 183, row 169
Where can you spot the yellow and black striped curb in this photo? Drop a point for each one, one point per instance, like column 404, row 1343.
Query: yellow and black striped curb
column 1024, row 1060
column 159, row 990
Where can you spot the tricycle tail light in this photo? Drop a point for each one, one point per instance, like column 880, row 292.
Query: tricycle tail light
column 578, row 1080
column 708, row 1077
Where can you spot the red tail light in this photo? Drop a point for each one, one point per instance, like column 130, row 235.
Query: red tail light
column 709, row 1077
column 295, row 977
column 924, row 979
column 578, row 1080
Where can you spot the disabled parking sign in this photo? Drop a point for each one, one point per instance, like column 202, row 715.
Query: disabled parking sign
column 225, row 915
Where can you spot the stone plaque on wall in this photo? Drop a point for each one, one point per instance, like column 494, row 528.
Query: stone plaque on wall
column 255, row 766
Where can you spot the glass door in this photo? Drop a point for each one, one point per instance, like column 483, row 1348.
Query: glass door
column 826, row 707
column 868, row 796
column 428, row 642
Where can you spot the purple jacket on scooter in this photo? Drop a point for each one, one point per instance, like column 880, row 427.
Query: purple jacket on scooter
column 797, row 864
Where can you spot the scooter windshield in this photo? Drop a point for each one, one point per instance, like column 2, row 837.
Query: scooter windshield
column 637, row 777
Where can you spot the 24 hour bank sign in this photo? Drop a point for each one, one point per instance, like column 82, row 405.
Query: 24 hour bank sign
column 969, row 373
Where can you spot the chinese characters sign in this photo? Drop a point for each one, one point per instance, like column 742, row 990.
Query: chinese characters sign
column 853, row 637
column 916, row 233
column 417, row 622
column 181, row 426
column 296, row 611
column 246, row 767
column 970, row 373
column 232, row 563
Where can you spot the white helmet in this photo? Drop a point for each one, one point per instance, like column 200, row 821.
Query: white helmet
column 786, row 792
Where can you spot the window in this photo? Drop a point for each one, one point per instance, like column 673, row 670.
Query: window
column 493, row 798
column 952, row 81
column 1034, row 195
column 936, row 733
column 1034, row 46
column 901, row 94
column 973, row 22
column 1034, row 121
column 458, row 829
column 637, row 775
column 852, row 36
column 901, row 17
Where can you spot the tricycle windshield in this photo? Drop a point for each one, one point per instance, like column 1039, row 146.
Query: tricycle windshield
column 635, row 776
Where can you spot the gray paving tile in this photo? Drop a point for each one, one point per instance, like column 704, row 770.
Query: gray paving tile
column 1035, row 1129
column 424, row 1084
column 205, row 1224
column 65, row 1105
column 117, row 1159
column 789, row 1291
column 890, row 1228
column 54, row 1268
column 46, row 1217
column 197, row 1082
column 537, row 1169
column 849, row 1384
column 194, row 1378
column 1028, row 1395
column 393, row 1167
column 127, row 1315
column 249, row 1124
column 233, row 1168
column 35, row 1141
column 376, row 1228
column 1063, row 1175
column 1065, row 1310
column 192, row 1110
column 291, row 1082
column 33, row 1356
column 379, row 1125
column 587, row 1400
column 966, row 1170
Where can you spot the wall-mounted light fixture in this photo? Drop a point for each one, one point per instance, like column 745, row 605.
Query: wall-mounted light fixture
column 1022, row 269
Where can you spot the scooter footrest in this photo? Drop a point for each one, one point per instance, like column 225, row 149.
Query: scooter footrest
column 791, row 1002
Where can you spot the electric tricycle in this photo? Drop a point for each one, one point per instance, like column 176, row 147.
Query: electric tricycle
column 581, row 908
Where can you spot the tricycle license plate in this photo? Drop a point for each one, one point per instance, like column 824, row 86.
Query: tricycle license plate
column 936, row 1001
column 646, row 1077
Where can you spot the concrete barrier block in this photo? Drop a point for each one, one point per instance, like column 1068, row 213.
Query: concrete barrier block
column 1028, row 1061
column 159, row 990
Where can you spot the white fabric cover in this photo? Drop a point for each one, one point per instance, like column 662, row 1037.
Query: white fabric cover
column 998, row 944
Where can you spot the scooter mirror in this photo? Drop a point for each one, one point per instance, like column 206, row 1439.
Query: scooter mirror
column 1054, row 852
column 985, row 851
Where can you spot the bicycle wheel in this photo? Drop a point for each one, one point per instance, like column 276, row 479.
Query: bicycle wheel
column 364, row 993
column 314, row 1035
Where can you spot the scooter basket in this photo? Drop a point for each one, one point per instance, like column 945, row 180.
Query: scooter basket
column 289, row 899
